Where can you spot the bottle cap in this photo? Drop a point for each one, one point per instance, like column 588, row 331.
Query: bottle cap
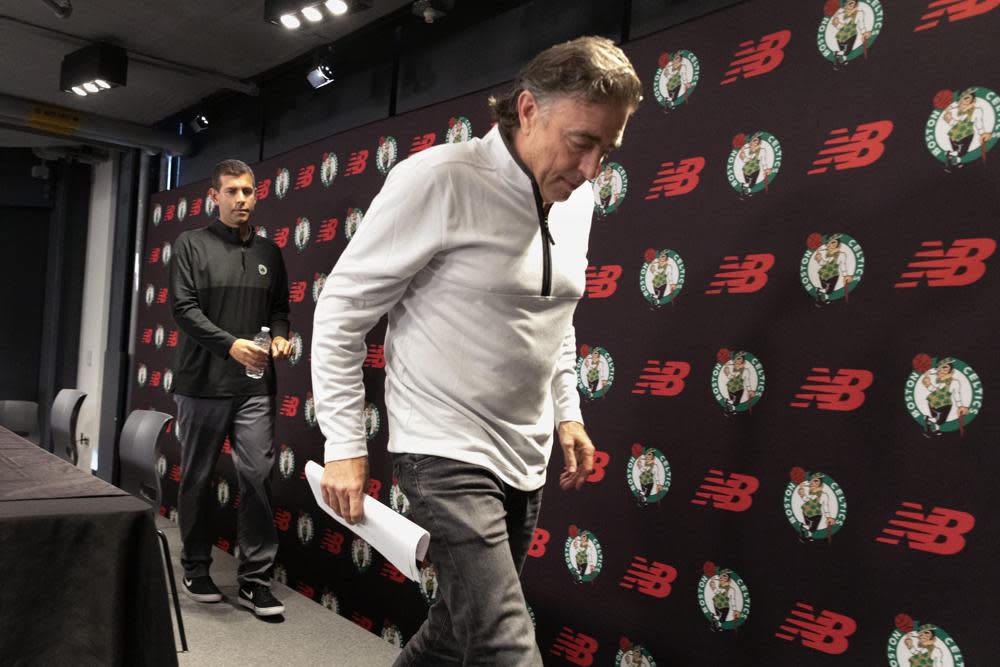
column 266, row 329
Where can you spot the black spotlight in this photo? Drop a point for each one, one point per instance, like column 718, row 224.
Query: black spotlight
column 199, row 123
column 93, row 69
column 320, row 75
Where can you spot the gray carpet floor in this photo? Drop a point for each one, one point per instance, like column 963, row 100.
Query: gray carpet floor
column 308, row 634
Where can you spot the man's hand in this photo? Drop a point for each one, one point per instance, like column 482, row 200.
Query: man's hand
column 578, row 453
column 248, row 354
column 343, row 486
column 281, row 348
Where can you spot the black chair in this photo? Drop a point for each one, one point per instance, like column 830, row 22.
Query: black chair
column 21, row 417
column 65, row 410
column 137, row 455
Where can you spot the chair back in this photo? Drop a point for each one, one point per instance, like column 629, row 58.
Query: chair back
column 65, row 410
column 138, row 453
column 21, row 417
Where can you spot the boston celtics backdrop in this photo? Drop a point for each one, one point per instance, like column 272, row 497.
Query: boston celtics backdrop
column 787, row 351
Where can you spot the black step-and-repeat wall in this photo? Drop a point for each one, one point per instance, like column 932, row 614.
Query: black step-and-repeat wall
column 787, row 351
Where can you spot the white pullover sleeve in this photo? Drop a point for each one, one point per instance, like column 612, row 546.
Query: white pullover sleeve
column 565, row 397
column 398, row 236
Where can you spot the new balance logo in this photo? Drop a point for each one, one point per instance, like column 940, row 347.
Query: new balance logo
column 940, row 532
column 733, row 493
column 826, row 631
column 756, row 58
column 843, row 391
column 849, row 150
column 575, row 647
column 741, row 276
column 602, row 281
column 652, row 579
column 674, row 180
column 662, row 378
column 955, row 10
column 963, row 263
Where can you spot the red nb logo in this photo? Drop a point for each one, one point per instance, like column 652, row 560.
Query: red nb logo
column 961, row 264
column 602, row 281
column 664, row 378
column 538, row 542
column 575, row 647
column 305, row 177
column 356, row 163
column 674, row 180
column 161, row 296
column 652, row 579
column 842, row 392
column 281, row 237
column 756, row 58
column 327, row 230
column 390, row 572
column 733, row 493
column 826, row 631
column 376, row 356
column 154, row 255
column 332, row 541
column 196, row 206
column 297, row 291
column 263, row 189
column 955, row 10
column 172, row 339
column 422, row 142
column 289, row 406
column 282, row 520
column 849, row 150
column 940, row 532
column 741, row 277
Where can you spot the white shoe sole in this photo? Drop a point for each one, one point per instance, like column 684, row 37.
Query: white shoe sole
column 203, row 597
column 262, row 611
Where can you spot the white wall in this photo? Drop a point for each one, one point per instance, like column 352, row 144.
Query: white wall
column 96, row 296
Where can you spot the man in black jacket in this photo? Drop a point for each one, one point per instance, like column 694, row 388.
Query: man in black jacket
column 226, row 282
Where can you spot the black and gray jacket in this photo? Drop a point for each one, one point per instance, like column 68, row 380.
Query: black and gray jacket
column 221, row 289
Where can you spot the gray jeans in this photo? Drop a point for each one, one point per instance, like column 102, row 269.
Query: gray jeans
column 480, row 529
column 202, row 425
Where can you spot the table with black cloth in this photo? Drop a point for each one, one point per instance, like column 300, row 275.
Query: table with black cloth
column 81, row 577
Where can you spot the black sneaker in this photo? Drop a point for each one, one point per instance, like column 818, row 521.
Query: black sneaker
column 202, row 589
column 258, row 597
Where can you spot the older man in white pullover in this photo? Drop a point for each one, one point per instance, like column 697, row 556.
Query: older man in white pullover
column 478, row 252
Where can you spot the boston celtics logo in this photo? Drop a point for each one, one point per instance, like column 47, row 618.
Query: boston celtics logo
column 157, row 215
column 918, row 644
column 372, row 420
column 848, row 29
column 753, row 163
column 648, row 474
column 397, row 499
column 391, row 634
column 459, row 130
column 161, row 466
column 328, row 169
column 318, row 281
column 281, row 183
column 166, row 253
column 737, row 381
column 964, row 126
column 304, row 528
column 632, row 655
column 361, row 554
column 280, row 574
column 385, row 156
column 296, row 356
column 723, row 597
column 330, row 601
column 141, row 374
column 814, row 505
column 168, row 380
column 303, row 231
column 583, row 555
column 222, row 493
column 831, row 267
column 661, row 277
column 429, row 583
column 531, row 613
column 610, row 188
column 352, row 221
column 676, row 77
column 595, row 371
column 309, row 412
column 943, row 394
column 261, row 269
column 209, row 206
column 286, row 462
column 150, row 294
column 158, row 336
column 182, row 208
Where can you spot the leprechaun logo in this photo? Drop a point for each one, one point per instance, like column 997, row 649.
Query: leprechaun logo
column 943, row 394
column 296, row 356
column 150, row 294
column 157, row 215
column 161, row 466
column 814, row 505
column 158, row 336
column 222, row 492
column 304, row 528
column 166, row 253
column 286, row 462
column 848, row 29
column 964, row 126
column 385, row 156
column 309, row 412
column 610, row 188
column 583, row 555
column 280, row 573
column 318, row 282
column 303, row 231
column 281, row 183
column 919, row 644
column 831, row 267
column 352, row 221
column 328, row 168
column 723, row 597
column 262, row 231
column 632, row 655
column 209, row 206
column 168, row 380
column 737, row 380
column 753, row 163
column 330, row 601
column 661, row 277
column 141, row 375
column 595, row 372
column 676, row 77
column 372, row 420
column 182, row 208
column 391, row 634
column 397, row 499
column 429, row 583
column 648, row 473
column 459, row 130
column 361, row 554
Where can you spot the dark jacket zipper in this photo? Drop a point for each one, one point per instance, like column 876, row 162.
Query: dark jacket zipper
column 547, row 240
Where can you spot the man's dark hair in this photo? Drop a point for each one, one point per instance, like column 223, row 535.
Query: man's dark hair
column 229, row 168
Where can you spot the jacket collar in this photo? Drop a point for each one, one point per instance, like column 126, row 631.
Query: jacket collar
column 510, row 165
column 230, row 235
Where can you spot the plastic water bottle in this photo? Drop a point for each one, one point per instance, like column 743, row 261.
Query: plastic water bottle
column 263, row 341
